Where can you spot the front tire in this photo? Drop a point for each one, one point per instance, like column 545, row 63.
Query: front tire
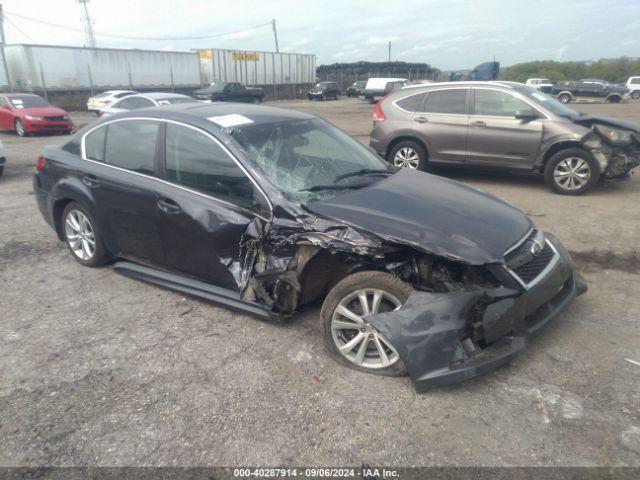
column 19, row 126
column 408, row 154
column 82, row 236
column 572, row 171
column 564, row 98
column 349, row 339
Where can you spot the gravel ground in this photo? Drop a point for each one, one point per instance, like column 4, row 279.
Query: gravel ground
column 99, row 369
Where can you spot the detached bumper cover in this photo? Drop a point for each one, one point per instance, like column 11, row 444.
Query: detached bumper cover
column 445, row 338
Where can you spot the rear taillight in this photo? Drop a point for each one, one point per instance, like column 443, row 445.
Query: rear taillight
column 377, row 112
column 41, row 164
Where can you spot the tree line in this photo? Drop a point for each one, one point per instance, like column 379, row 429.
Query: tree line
column 613, row 70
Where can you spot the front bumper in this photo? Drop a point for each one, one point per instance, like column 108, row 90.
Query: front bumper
column 35, row 126
column 444, row 338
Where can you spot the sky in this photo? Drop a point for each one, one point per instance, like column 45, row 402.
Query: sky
column 450, row 35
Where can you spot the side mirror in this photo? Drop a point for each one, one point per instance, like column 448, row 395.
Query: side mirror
column 527, row 116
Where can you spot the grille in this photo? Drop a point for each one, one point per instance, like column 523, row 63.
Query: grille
column 54, row 119
column 534, row 267
column 524, row 264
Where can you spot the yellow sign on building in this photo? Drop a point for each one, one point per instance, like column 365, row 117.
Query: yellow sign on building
column 205, row 54
column 245, row 56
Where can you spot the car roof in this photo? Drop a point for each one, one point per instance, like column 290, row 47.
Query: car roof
column 477, row 83
column 258, row 114
column 161, row 95
column 20, row 95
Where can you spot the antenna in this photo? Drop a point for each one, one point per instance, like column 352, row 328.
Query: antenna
column 88, row 26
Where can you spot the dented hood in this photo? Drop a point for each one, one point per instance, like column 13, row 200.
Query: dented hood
column 431, row 213
column 588, row 120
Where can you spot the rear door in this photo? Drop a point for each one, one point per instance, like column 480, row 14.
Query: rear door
column 205, row 206
column 496, row 136
column 122, row 179
column 442, row 124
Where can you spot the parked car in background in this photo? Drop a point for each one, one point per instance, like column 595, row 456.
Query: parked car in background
column 503, row 125
column 356, row 88
column 145, row 100
column 589, row 89
column 543, row 84
column 3, row 159
column 101, row 100
column 324, row 91
column 377, row 88
column 230, row 92
column 266, row 210
column 633, row 86
column 26, row 113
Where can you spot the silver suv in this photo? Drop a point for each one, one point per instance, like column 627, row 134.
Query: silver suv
column 503, row 125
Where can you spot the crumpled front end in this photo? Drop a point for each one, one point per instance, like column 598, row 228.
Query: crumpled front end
column 617, row 150
column 447, row 337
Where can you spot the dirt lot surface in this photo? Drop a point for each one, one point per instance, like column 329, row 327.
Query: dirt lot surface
column 99, row 369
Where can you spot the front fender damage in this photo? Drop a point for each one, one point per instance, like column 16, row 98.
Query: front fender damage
column 615, row 159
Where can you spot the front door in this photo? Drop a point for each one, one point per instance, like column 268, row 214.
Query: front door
column 442, row 125
column 496, row 136
column 124, row 187
column 6, row 116
column 205, row 208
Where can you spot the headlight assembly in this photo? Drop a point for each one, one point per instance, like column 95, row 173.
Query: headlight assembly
column 614, row 136
column 30, row 117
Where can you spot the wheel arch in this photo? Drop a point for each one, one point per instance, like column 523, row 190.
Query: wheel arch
column 72, row 190
column 554, row 148
column 402, row 138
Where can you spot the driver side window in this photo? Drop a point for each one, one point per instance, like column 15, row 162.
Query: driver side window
column 501, row 104
column 195, row 161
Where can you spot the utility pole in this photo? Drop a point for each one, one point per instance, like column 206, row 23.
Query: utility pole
column 275, row 34
column 88, row 26
column 389, row 51
column 4, row 59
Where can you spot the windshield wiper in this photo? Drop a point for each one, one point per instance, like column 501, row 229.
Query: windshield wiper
column 364, row 171
column 317, row 188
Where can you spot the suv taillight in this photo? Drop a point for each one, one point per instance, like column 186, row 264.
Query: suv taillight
column 41, row 164
column 377, row 112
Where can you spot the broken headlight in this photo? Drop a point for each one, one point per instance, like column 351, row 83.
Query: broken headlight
column 592, row 141
column 614, row 136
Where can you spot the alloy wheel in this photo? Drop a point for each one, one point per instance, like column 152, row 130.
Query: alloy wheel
column 357, row 340
column 20, row 128
column 572, row 173
column 407, row 157
column 80, row 235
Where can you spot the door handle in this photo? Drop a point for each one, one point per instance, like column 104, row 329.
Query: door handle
column 91, row 181
column 169, row 206
column 479, row 124
column 421, row 119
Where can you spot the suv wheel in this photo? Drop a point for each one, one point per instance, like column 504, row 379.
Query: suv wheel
column 635, row 94
column 572, row 171
column 564, row 97
column 348, row 337
column 408, row 154
column 82, row 238
column 614, row 99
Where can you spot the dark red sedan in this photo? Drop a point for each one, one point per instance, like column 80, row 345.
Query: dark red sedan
column 26, row 113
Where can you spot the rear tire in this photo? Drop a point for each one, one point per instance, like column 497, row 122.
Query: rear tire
column 82, row 236
column 337, row 331
column 635, row 95
column 408, row 154
column 564, row 98
column 1, row 170
column 572, row 171
column 614, row 99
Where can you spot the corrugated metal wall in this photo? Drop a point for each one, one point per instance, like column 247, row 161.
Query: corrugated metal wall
column 257, row 68
column 66, row 68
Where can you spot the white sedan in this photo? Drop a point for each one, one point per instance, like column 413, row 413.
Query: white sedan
column 104, row 99
column 145, row 100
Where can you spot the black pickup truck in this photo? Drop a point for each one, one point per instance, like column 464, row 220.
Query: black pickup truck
column 230, row 92
column 589, row 88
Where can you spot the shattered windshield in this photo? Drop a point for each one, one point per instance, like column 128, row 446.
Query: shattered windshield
column 548, row 102
column 310, row 159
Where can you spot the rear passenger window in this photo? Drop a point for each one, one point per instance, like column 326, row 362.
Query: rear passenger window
column 414, row 103
column 94, row 144
column 447, row 101
column 131, row 144
column 194, row 160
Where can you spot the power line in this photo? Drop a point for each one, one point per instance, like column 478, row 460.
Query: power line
column 127, row 37
column 88, row 27
column 19, row 29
